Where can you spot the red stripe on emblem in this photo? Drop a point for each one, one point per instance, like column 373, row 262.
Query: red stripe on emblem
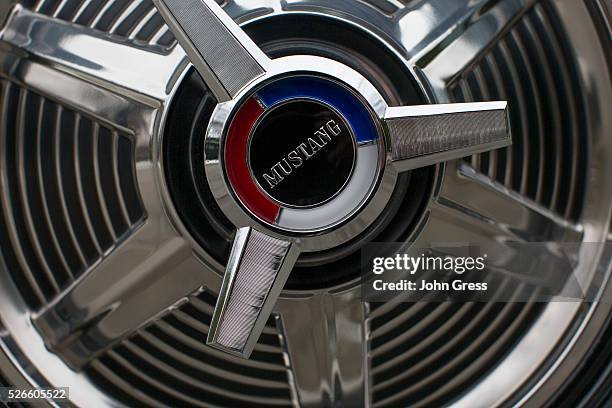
column 235, row 157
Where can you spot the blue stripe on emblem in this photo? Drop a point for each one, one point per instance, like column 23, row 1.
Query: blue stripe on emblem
column 335, row 95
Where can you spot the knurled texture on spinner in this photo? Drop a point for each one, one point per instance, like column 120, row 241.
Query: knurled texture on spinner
column 228, row 59
column 422, row 135
column 261, row 260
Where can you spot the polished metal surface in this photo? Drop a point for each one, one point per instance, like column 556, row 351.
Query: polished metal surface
column 77, row 65
column 111, row 91
column 222, row 53
column 425, row 135
column 106, row 86
column 328, row 333
column 468, row 41
column 492, row 211
column 257, row 270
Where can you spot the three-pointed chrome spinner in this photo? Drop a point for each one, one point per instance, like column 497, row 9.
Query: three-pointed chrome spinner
column 302, row 154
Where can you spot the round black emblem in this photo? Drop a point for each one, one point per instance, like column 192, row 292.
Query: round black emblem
column 301, row 153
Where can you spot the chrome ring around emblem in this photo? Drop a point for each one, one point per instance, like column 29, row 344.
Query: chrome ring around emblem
column 358, row 203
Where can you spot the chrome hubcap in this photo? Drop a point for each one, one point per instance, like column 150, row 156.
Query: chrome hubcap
column 407, row 137
column 158, row 263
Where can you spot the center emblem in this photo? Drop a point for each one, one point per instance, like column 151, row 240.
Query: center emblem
column 302, row 153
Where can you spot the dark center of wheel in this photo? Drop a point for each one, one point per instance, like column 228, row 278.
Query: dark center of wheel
column 301, row 153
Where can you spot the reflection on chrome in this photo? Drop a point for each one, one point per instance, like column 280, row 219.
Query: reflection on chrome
column 124, row 245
